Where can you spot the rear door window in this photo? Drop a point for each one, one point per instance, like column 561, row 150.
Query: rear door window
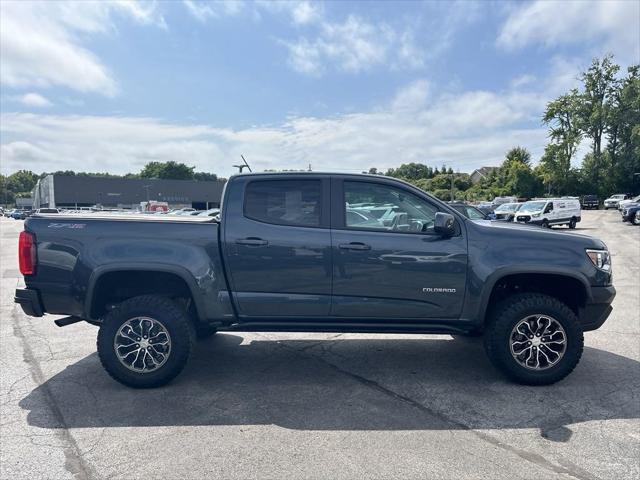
column 284, row 202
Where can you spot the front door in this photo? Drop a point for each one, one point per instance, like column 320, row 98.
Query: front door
column 277, row 246
column 393, row 265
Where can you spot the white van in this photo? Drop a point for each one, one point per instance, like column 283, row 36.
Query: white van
column 550, row 211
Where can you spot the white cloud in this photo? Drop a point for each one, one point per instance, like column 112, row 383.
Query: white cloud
column 39, row 44
column 203, row 10
column 303, row 13
column 466, row 131
column 412, row 97
column 612, row 24
column 34, row 100
column 354, row 45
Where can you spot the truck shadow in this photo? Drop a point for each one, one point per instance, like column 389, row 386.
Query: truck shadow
column 343, row 384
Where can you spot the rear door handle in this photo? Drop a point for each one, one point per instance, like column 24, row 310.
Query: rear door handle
column 354, row 246
column 252, row 241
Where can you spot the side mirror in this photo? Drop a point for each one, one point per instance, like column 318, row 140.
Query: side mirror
column 445, row 224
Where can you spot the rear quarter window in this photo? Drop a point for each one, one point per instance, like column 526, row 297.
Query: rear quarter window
column 284, row 202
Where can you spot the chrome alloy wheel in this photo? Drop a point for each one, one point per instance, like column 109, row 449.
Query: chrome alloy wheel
column 538, row 342
column 142, row 344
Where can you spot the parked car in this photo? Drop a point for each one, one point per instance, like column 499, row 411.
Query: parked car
column 469, row 211
column 590, row 202
column 497, row 201
column 487, row 209
column 183, row 211
column 507, row 211
column 284, row 256
column 629, row 212
column 636, row 219
column 549, row 212
column 614, row 200
column 19, row 214
column 212, row 212
column 48, row 211
column 629, row 201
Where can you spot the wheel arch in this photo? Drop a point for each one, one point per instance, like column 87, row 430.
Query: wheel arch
column 568, row 287
column 93, row 304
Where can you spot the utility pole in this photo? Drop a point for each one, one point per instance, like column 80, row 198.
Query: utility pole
column 452, row 186
column 146, row 187
column 309, row 167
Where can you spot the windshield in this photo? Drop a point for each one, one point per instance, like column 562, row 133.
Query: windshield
column 532, row 206
column 507, row 207
column 618, row 197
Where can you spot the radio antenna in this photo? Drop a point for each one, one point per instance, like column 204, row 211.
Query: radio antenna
column 242, row 167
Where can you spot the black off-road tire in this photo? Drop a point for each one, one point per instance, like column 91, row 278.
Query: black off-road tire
column 205, row 331
column 173, row 319
column 511, row 311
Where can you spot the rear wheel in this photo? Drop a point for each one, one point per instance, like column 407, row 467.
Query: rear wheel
column 572, row 223
column 534, row 339
column 145, row 341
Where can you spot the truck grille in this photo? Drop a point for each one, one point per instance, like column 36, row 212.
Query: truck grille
column 523, row 218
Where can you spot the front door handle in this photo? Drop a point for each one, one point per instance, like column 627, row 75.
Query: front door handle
column 354, row 246
column 252, row 241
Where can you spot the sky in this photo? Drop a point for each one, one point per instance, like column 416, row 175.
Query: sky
column 341, row 86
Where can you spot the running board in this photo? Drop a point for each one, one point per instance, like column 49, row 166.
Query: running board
column 63, row 322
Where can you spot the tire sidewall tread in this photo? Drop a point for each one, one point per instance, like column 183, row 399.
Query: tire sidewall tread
column 174, row 319
column 513, row 309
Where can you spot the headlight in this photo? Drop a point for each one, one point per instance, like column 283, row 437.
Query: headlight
column 600, row 258
column 535, row 214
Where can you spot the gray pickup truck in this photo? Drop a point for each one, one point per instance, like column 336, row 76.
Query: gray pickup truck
column 316, row 252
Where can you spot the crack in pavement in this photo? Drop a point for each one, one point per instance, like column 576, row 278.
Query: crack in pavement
column 575, row 471
column 75, row 463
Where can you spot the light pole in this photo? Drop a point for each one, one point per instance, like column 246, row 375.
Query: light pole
column 146, row 187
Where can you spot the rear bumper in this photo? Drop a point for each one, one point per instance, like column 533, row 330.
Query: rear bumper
column 30, row 302
column 596, row 312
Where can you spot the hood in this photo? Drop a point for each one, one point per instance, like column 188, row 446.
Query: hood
column 534, row 232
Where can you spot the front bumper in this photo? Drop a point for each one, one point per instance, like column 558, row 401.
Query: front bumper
column 596, row 312
column 30, row 302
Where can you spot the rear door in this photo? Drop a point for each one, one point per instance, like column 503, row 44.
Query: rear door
column 277, row 245
column 393, row 267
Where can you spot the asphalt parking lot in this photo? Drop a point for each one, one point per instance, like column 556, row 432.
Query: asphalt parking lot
column 322, row 405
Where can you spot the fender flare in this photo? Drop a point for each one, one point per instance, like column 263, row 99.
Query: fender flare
column 491, row 281
column 177, row 270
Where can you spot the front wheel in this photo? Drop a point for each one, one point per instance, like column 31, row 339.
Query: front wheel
column 145, row 341
column 545, row 224
column 534, row 339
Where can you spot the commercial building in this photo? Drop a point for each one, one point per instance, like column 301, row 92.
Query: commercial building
column 84, row 191
column 24, row 202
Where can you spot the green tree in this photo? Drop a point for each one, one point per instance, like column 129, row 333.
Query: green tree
column 167, row 170
column 411, row 171
column 623, row 131
column 205, row 176
column 600, row 83
column 519, row 154
column 22, row 181
column 562, row 116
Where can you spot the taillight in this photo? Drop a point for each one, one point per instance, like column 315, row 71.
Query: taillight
column 27, row 253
